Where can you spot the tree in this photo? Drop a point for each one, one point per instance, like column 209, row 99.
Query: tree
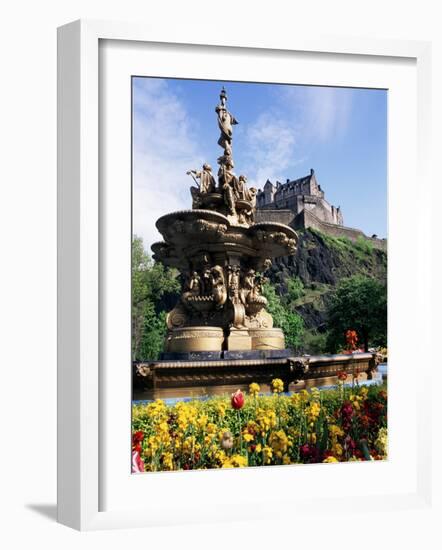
column 290, row 322
column 360, row 304
column 150, row 281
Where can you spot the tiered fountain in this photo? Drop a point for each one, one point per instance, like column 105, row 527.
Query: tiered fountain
column 222, row 255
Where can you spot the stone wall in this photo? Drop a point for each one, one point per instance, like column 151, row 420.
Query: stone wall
column 275, row 215
column 306, row 219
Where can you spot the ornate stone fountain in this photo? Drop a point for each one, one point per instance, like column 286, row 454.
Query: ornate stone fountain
column 222, row 256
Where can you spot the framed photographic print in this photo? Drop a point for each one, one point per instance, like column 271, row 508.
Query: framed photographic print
column 227, row 314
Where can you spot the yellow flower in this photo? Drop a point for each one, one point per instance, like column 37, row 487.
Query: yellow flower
column 268, row 453
column 254, row 389
column 266, row 419
column 279, row 441
column 189, row 444
column 303, row 395
column 381, row 442
column 235, row 461
column 220, row 457
column 312, row 412
column 247, row 437
column 335, row 431
column 167, row 459
column 202, row 421
column 277, row 385
column 337, row 449
column 211, row 428
column 221, row 409
column 330, row 459
column 295, row 399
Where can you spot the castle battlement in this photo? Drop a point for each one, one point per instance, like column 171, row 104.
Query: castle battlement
column 298, row 195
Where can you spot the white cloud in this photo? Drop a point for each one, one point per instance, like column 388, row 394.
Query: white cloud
column 322, row 112
column 164, row 148
column 275, row 143
column 271, row 148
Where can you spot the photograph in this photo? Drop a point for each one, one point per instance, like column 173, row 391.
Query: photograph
column 259, row 274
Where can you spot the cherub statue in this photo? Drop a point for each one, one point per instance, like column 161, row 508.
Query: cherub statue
column 193, row 286
column 219, row 290
column 248, row 285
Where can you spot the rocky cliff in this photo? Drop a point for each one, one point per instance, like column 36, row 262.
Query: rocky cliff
column 309, row 277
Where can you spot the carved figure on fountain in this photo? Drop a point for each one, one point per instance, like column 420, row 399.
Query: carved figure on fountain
column 206, row 185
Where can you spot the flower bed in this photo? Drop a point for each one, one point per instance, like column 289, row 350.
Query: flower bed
column 338, row 425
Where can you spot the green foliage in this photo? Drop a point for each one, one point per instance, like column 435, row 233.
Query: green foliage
column 150, row 281
column 359, row 303
column 154, row 333
column 275, row 307
column 293, row 327
column 295, row 289
column 363, row 245
column 361, row 249
column 290, row 322
column 314, row 343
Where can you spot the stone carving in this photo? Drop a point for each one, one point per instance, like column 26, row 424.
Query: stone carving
column 225, row 123
column 230, row 196
column 299, row 367
column 227, row 183
column 207, row 184
column 219, row 290
column 193, row 286
column 177, row 318
column 205, row 293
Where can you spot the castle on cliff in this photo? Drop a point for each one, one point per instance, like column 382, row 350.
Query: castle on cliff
column 299, row 195
column 301, row 204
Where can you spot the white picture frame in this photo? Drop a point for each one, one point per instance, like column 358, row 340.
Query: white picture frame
column 82, row 296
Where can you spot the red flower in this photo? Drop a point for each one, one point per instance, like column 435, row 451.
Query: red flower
column 350, row 444
column 347, row 410
column 351, row 338
column 237, row 400
column 305, row 451
column 365, row 421
column 342, row 375
column 137, row 437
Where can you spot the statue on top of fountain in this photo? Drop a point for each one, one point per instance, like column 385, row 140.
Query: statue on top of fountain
column 231, row 196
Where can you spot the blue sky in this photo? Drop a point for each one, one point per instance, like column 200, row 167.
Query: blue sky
column 283, row 131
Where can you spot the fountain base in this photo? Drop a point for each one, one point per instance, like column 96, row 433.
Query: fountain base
column 218, row 373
